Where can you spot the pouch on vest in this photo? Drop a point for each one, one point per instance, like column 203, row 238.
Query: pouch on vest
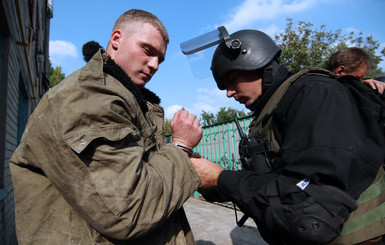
column 252, row 153
column 315, row 220
column 368, row 220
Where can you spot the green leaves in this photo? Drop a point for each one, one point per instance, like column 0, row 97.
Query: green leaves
column 304, row 45
column 55, row 75
column 223, row 115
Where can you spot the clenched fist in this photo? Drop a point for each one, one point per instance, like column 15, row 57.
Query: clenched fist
column 186, row 129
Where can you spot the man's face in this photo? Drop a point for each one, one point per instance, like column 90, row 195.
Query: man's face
column 359, row 73
column 244, row 86
column 138, row 54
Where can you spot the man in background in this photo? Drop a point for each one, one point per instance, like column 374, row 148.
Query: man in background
column 355, row 62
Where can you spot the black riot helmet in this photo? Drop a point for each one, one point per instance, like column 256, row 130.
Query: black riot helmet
column 244, row 50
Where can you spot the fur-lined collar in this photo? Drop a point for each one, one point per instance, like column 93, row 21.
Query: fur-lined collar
column 110, row 67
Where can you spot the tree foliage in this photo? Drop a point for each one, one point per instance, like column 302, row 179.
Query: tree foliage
column 167, row 126
column 223, row 115
column 55, row 75
column 305, row 46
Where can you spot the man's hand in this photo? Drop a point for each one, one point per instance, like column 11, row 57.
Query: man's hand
column 375, row 85
column 207, row 171
column 185, row 129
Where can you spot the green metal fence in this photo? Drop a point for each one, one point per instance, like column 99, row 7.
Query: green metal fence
column 219, row 143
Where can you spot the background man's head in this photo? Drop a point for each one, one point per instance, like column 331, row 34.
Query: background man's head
column 349, row 61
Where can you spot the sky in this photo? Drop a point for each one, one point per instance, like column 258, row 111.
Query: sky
column 76, row 22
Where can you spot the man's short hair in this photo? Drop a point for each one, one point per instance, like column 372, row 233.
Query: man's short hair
column 128, row 21
column 351, row 58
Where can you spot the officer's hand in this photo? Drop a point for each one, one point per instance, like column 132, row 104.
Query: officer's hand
column 376, row 85
column 186, row 129
column 207, row 171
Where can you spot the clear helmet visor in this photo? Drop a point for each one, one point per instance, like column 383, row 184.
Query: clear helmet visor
column 200, row 50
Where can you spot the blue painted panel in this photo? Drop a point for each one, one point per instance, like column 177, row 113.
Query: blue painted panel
column 21, row 114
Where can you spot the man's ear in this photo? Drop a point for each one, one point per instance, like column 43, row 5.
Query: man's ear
column 115, row 39
column 340, row 70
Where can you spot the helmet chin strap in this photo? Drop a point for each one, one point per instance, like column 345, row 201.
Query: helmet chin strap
column 268, row 74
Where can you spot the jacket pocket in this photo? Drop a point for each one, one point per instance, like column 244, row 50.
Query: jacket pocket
column 80, row 140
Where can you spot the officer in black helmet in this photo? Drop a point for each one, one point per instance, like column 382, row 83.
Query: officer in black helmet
column 256, row 56
column 322, row 148
column 255, row 52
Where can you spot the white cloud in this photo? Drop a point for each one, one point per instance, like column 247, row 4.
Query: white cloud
column 211, row 100
column 211, row 92
column 170, row 111
column 251, row 11
column 199, row 107
column 271, row 30
column 195, row 109
column 208, row 100
column 296, row 6
column 62, row 48
column 210, row 96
